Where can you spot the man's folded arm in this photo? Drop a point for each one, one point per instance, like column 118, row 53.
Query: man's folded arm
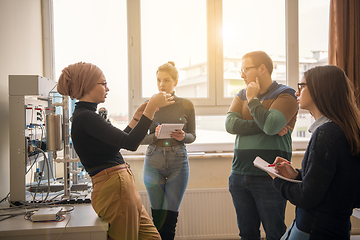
column 234, row 124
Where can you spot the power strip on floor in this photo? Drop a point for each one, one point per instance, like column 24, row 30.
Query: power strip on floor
column 46, row 214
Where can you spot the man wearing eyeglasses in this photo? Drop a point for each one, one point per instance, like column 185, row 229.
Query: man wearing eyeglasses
column 262, row 116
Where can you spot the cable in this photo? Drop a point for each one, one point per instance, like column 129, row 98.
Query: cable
column 52, row 170
column 61, row 193
column 36, row 157
column 11, row 210
column 67, row 211
column 10, row 215
column 39, row 187
column 5, row 197
column 26, row 205
column 51, row 91
column 48, row 168
column 64, row 228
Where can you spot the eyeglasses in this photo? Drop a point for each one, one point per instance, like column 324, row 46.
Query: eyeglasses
column 104, row 84
column 301, row 86
column 246, row 70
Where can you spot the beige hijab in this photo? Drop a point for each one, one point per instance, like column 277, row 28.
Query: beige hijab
column 78, row 79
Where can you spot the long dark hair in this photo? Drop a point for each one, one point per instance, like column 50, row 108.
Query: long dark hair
column 333, row 94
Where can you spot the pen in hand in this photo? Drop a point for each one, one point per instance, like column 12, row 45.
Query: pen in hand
column 277, row 164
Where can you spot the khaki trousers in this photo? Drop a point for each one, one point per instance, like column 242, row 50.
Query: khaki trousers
column 116, row 200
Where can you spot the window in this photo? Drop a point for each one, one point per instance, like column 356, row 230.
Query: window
column 313, row 49
column 173, row 30
column 206, row 39
column 300, row 133
column 95, row 32
column 243, row 32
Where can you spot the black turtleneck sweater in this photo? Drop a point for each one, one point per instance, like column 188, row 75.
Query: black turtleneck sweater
column 97, row 142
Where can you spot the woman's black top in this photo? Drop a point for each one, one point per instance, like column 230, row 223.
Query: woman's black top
column 97, row 142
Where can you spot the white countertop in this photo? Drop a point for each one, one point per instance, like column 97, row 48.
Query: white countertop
column 82, row 221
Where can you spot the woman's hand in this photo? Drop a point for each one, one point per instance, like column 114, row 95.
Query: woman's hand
column 157, row 130
column 157, row 101
column 285, row 169
column 178, row 135
column 137, row 115
column 161, row 99
column 139, row 111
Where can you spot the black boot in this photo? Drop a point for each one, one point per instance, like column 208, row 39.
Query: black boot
column 167, row 231
column 159, row 217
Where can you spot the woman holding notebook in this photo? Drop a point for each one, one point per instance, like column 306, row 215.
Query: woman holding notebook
column 330, row 179
column 166, row 166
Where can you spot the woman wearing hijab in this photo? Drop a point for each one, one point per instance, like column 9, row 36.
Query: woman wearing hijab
column 114, row 197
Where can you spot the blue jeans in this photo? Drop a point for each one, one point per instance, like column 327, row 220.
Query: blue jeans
column 293, row 233
column 256, row 200
column 166, row 176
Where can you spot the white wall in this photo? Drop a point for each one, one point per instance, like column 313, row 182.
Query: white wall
column 21, row 52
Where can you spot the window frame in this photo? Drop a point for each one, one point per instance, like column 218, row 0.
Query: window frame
column 215, row 103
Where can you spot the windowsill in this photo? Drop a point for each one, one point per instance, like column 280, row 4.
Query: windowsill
column 191, row 155
column 201, row 155
column 214, row 149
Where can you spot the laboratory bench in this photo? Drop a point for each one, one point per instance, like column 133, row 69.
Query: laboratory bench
column 80, row 223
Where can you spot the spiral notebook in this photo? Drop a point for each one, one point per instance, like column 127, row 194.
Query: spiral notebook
column 263, row 165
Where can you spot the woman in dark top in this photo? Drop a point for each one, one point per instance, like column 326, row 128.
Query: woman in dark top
column 330, row 172
column 166, row 166
column 114, row 197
